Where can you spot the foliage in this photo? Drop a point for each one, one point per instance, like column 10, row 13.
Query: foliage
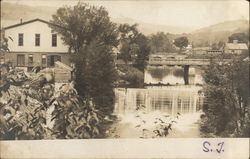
column 26, row 102
column 96, row 77
column 217, row 46
column 3, row 43
column 162, row 124
column 241, row 37
column 160, row 42
column 73, row 116
column 181, row 42
column 227, row 99
column 130, row 77
column 127, row 34
column 134, row 46
column 88, row 31
column 143, row 51
column 82, row 23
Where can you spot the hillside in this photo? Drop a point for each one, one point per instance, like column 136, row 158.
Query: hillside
column 12, row 13
column 219, row 32
column 148, row 29
column 24, row 12
column 225, row 26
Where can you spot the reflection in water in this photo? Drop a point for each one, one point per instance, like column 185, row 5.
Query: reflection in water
column 171, row 75
column 170, row 99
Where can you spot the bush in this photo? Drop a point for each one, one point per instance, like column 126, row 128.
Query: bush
column 24, row 105
column 227, row 99
column 74, row 117
column 131, row 77
column 159, row 73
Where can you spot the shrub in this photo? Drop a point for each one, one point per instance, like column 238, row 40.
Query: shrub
column 24, row 105
column 132, row 76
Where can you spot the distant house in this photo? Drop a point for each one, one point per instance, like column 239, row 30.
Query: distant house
column 188, row 49
column 235, row 47
column 34, row 43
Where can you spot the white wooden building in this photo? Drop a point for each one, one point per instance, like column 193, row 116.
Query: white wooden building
column 34, row 43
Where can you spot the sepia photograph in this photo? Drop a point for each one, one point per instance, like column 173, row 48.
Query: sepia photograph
column 114, row 70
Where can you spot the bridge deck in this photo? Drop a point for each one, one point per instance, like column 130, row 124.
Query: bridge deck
column 197, row 62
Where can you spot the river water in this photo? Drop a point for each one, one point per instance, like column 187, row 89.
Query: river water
column 144, row 111
column 172, row 75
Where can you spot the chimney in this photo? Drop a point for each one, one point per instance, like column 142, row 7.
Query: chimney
column 235, row 41
column 21, row 20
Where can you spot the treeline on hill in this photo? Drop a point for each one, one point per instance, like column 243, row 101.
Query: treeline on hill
column 215, row 40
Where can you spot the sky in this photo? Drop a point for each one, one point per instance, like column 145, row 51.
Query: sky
column 190, row 13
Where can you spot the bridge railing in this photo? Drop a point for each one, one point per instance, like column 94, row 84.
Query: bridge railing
column 185, row 61
column 180, row 62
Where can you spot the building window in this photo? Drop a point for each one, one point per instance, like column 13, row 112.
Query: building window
column 44, row 59
column 37, row 40
column 20, row 39
column 54, row 40
column 30, row 59
column 20, row 60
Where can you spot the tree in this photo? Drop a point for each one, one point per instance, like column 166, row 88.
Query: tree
column 134, row 45
column 130, row 77
column 81, row 27
column 214, row 46
column 128, row 47
column 4, row 43
column 181, row 42
column 101, row 75
column 160, row 42
column 241, row 37
column 81, row 24
column 217, row 46
column 127, row 32
column 143, row 51
column 220, row 44
column 227, row 99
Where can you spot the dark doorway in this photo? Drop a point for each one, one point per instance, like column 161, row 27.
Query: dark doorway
column 52, row 59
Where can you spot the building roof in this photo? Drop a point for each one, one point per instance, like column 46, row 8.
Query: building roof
column 30, row 21
column 236, row 46
column 64, row 66
column 246, row 59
